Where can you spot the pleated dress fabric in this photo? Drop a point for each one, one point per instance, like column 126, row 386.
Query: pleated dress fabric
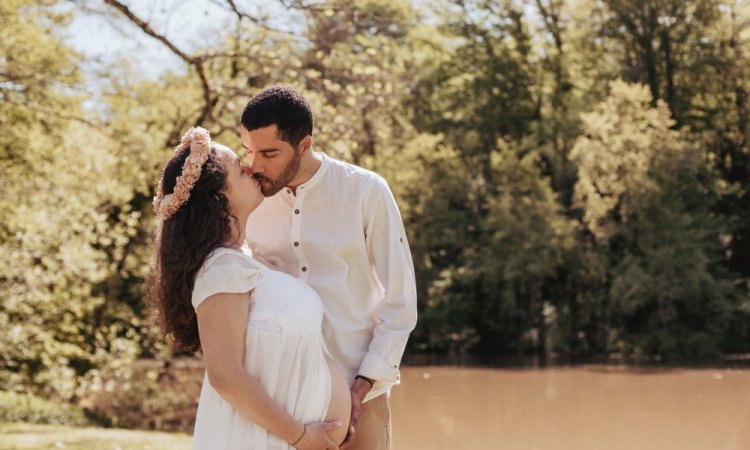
column 284, row 351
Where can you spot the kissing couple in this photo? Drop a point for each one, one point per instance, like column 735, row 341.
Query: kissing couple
column 291, row 273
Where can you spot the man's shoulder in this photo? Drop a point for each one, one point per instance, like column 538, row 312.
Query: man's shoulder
column 348, row 173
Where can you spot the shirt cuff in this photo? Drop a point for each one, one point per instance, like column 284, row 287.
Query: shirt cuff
column 379, row 369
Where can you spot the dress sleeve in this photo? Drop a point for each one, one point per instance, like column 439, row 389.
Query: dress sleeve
column 225, row 271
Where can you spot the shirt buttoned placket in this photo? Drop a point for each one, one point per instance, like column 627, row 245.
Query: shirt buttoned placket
column 296, row 237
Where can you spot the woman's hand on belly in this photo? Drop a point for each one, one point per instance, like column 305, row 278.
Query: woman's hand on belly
column 340, row 405
column 316, row 436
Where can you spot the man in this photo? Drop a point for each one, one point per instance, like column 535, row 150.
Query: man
column 337, row 227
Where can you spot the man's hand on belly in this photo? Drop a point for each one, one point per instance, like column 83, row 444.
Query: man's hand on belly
column 359, row 389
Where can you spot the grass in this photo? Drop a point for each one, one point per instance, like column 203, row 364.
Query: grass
column 23, row 436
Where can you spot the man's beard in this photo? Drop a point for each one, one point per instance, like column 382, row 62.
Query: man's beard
column 274, row 186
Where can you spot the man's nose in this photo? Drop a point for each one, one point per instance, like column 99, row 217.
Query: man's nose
column 254, row 166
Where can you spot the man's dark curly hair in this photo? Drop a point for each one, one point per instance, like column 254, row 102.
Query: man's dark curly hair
column 283, row 106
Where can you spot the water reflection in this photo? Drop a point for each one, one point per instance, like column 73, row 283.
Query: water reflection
column 566, row 408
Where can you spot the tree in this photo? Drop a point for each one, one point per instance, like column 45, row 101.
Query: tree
column 660, row 37
column 527, row 240
column 67, row 220
column 482, row 92
column 644, row 194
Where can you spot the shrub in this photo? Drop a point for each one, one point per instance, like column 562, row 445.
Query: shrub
column 18, row 407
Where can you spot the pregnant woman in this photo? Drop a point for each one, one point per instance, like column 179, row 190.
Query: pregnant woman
column 269, row 382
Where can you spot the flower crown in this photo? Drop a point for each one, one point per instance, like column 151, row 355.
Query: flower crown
column 199, row 142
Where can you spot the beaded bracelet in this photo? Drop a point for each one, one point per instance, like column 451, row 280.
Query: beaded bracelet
column 300, row 436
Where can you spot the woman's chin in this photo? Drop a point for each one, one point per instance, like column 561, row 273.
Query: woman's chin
column 257, row 203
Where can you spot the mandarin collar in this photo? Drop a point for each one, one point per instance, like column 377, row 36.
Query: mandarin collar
column 324, row 163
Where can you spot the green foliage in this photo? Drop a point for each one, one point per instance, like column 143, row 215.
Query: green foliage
column 519, row 247
column 626, row 154
column 645, row 200
column 482, row 91
column 66, row 219
column 659, row 42
column 525, row 225
column 15, row 407
column 154, row 395
column 550, row 208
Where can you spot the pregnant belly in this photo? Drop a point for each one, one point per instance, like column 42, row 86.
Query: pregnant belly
column 340, row 407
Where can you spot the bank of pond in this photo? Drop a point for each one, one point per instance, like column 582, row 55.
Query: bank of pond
column 450, row 405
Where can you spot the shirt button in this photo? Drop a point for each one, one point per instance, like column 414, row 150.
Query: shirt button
column 296, row 244
column 304, row 269
column 296, row 211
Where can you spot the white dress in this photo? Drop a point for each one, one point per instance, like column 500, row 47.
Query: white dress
column 284, row 351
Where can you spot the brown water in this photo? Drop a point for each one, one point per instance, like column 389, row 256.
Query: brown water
column 578, row 408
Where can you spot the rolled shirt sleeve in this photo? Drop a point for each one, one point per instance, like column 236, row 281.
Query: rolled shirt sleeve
column 396, row 313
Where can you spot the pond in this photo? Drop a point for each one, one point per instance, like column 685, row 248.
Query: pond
column 584, row 407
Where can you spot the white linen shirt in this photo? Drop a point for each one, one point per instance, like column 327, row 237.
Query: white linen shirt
column 343, row 235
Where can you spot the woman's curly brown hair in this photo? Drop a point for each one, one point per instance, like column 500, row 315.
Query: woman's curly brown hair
column 183, row 242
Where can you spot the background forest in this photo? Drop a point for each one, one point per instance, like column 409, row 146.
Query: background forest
column 573, row 174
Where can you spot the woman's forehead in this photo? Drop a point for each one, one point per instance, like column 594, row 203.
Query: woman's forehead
column 225, row 153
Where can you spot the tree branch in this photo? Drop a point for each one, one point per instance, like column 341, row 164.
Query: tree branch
column 143, row 25
column 231, row 6
column 195, row 61
column 552, row 20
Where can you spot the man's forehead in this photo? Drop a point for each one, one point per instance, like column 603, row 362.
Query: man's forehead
column 264, row 144
column 268, row 132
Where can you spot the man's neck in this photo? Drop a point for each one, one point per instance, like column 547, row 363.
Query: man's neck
column 307, row 168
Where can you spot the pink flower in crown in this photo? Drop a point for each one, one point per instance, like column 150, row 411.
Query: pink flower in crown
column 191, row 172
column 185, row 141
column 199, row 141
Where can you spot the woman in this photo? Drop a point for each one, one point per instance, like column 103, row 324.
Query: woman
column 269, row 383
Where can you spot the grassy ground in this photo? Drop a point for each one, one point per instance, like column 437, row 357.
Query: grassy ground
column 23, row 436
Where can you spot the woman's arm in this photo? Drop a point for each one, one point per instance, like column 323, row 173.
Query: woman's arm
column 222, row 324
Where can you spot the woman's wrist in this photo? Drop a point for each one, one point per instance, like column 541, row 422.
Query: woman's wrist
column 301, row 435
